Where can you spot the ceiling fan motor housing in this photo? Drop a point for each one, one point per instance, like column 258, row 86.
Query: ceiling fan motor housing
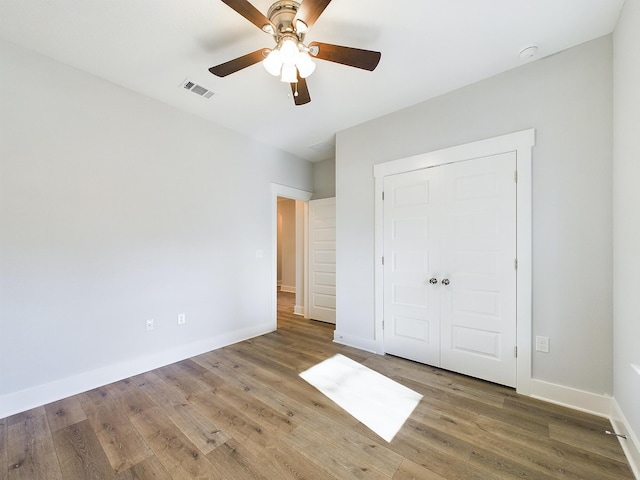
column 281, row 15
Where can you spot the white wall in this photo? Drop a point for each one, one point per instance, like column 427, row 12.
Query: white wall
column 567, row 98
column 626, row 215
column 114, row 209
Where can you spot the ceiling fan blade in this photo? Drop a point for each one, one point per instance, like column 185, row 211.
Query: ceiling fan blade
column 248, row 11
column 353, row 57
column 310, row 10
column 302, row 91
column 239, row 63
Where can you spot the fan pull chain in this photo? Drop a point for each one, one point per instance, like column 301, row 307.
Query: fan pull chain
column 295, row 94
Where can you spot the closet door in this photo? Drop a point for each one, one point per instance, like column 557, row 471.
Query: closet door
column 411, row 259
column 449, row 267
column 478, row 306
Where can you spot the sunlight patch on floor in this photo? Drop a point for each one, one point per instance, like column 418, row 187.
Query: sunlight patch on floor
column 382, row 404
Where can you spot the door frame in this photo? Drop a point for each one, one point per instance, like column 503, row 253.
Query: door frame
column 284, row 191
column 520, row 142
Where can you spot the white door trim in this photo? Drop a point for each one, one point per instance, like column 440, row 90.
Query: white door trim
column 278, row 190
column 519, row 142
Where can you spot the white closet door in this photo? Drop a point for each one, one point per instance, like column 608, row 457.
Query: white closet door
column 478, row 308
column 322, row 260
column 449, row 273
column 411, row 258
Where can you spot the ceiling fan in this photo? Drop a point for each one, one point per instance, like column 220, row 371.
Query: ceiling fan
column 288, row 21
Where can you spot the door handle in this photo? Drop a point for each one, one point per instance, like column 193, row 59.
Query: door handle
column 433, row 281
column 445, row 281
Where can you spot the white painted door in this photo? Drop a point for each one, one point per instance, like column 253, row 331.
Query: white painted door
column 478, row 306
column 470, row 248
column 411, row 255
column 322, row 260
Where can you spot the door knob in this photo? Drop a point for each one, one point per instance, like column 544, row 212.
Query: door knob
column 433, row 281
column 445, row 281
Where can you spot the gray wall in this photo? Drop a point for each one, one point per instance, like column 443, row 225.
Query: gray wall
column 567, row 98
column 114, row 209
column 626, row 216
column 324, row 179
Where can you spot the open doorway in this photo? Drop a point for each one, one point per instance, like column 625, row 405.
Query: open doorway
column 306, row 263
column 283, row 199
column 303, row 255
column 291, row 253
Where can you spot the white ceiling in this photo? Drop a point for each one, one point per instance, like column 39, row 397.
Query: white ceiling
column 428, row 47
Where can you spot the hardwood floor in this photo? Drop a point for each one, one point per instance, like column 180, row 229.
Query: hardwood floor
column 242, row 412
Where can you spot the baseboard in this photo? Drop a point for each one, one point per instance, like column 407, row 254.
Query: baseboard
column 588, row 402
column 356, row 342
column 23, row 400
column 288, row 288
column 630, row 445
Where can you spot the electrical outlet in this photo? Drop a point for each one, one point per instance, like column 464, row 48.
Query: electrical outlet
column 542, row 344
column 182, row 318
column 149, row 324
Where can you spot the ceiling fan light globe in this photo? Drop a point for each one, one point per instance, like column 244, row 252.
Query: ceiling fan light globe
column 268, row 28
column 273, row 63
column 289, row 51
column 289, row 74
column 301, row 27
column 305, row 65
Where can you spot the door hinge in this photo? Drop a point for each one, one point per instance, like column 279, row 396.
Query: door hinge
column 515, row 351
column 515, row 263
column 383, row 324
column 515, row 176
column 383, row 196
column 382, row 260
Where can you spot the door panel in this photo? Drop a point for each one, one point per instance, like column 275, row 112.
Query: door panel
column 474, row 341
column 478, row 306
column 322, row 260
column 410, row 249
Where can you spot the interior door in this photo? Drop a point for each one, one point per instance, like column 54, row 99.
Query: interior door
column 411, row 258
column 449, row 273
column 478, row 306
column 322, row 260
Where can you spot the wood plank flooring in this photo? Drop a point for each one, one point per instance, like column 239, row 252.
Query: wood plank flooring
column 242, row 412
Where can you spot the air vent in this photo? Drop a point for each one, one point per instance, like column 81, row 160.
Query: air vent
column 323, row 147
column 197, row 89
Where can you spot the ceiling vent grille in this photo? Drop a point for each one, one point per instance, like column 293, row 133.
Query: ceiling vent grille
column 197, row 89
column 323, row 147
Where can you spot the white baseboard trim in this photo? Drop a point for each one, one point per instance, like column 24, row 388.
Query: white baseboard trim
column 288, row 288
column 298, row 310
column 356, row 342
column 588, row 402
column 23, row 400
column 630, row 446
